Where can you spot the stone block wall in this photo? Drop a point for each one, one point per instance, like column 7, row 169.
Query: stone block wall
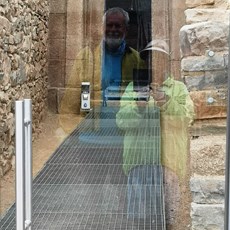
column 207, row 182
column 23, row 67
column 204, row 52
column 78, row 24
column 57, row 51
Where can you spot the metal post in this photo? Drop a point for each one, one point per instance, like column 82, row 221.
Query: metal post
column 227, row 160
column 20, row 215
column 23, row 164
column 28, row 162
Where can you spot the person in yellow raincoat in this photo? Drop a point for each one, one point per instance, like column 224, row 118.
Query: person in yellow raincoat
column 156, row 133
column 175, row 117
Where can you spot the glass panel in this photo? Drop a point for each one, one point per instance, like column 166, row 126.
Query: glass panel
column 149, row 80
column 139, row 110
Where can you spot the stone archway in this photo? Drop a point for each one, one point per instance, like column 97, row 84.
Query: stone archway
column 70, row 29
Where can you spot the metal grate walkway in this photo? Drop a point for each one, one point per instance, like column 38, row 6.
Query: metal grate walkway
column 82, row 186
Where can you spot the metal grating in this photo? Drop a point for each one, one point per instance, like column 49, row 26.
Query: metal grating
column 83, row 186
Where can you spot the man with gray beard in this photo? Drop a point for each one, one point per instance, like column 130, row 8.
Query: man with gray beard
column 116, row 22
column 119, row 59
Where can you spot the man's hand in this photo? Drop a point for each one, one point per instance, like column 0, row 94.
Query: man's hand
column 159, row 95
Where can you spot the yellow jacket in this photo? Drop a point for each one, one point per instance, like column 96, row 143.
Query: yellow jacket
column 87, row 67
column 141, row 144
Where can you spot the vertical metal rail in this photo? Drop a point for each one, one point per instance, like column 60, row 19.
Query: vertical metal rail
column 20, row 193
column 28, row 162
column 23, row 164
column 227, row 160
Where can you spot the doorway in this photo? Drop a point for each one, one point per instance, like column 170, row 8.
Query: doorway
column 139, row 32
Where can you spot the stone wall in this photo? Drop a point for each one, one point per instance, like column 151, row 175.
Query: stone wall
column 207, row 182
column 57, row 50
column 73, row 26
column 23, row 67
column 204, row 50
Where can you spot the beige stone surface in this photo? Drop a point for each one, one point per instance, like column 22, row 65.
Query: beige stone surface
column 160, row 20
column 56, row 70
column 57, row 48
column 5, row 24
column 205, row 110
column 177, row 20
column 73, row 46
column 203, row 15
column 57, row 24
column 75, row 6
column 52, row 100
column 196, row 39
column 195, row 3
column 68, row 69
column 68, row 100
column 57, row 6
column 75, row 24
column 176, row 69
column 209, row 159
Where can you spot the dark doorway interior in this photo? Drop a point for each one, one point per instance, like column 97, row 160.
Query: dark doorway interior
column 140, row 20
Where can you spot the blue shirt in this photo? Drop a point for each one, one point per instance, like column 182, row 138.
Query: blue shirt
column 112, row 66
